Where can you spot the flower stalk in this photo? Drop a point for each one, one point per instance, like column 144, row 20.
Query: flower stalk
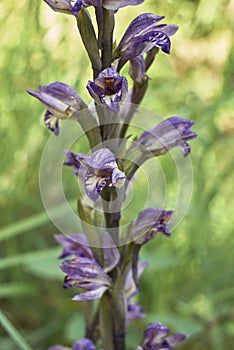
column 102, row 264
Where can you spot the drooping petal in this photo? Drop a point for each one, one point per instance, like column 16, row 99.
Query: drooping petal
column 149, row 222
column 61, row 101
column 92, row 294
column 146, row 42
column 170, row 133
column 176, row 338
column 116, row 4
column 140, row 23
column 134, row 312
column 60, row 5
column 85, row 272
column 71, row 7
column 74, row 244
column 143, row 35
column 154, row 332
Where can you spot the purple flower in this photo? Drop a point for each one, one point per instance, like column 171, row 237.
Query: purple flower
column 142, row 35
column 116, row 4
column 86, row 274
column 96, row 171
column 74, row 245
column 77, row 245
column 71, row 7
column 108, row 89
column 134, row 311
column 82, row 344
column 83, row 271
column 149, row 222
column 154, row 338
column 61, row 101
column 170, row 133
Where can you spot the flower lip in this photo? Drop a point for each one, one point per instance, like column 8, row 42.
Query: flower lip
column 108, row 89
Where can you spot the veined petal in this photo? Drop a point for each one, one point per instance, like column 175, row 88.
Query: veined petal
column 84, row 344
column 154, row 332
column 168, row 134
column 154, row 337
column 61, row 101
column 74, row 244
column 85, row 271
column 146, row 42
column 92, row 294
column 142, row 35
column 116, row 4
column 176, row 338
column 149, row 222
column 142, row 22
column 134, row 312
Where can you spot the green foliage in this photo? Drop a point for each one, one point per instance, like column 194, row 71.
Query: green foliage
column 189, row 283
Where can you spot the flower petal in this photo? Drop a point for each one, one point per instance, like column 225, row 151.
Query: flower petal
column 74, row 244
column 149, row 222
column 134, row 312
column 84, row 344
column 85, row 271
column 176, row 338
column 154, row 332
column 170, row 133
column 116, row 4
column 92, row 294
column 139, row 24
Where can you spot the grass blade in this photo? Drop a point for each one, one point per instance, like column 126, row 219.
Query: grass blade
column 13, row 333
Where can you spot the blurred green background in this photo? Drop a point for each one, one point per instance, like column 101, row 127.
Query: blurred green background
column 189, row 284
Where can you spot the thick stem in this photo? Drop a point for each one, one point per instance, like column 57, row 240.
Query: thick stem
column 106, row 323
column 107, row 37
